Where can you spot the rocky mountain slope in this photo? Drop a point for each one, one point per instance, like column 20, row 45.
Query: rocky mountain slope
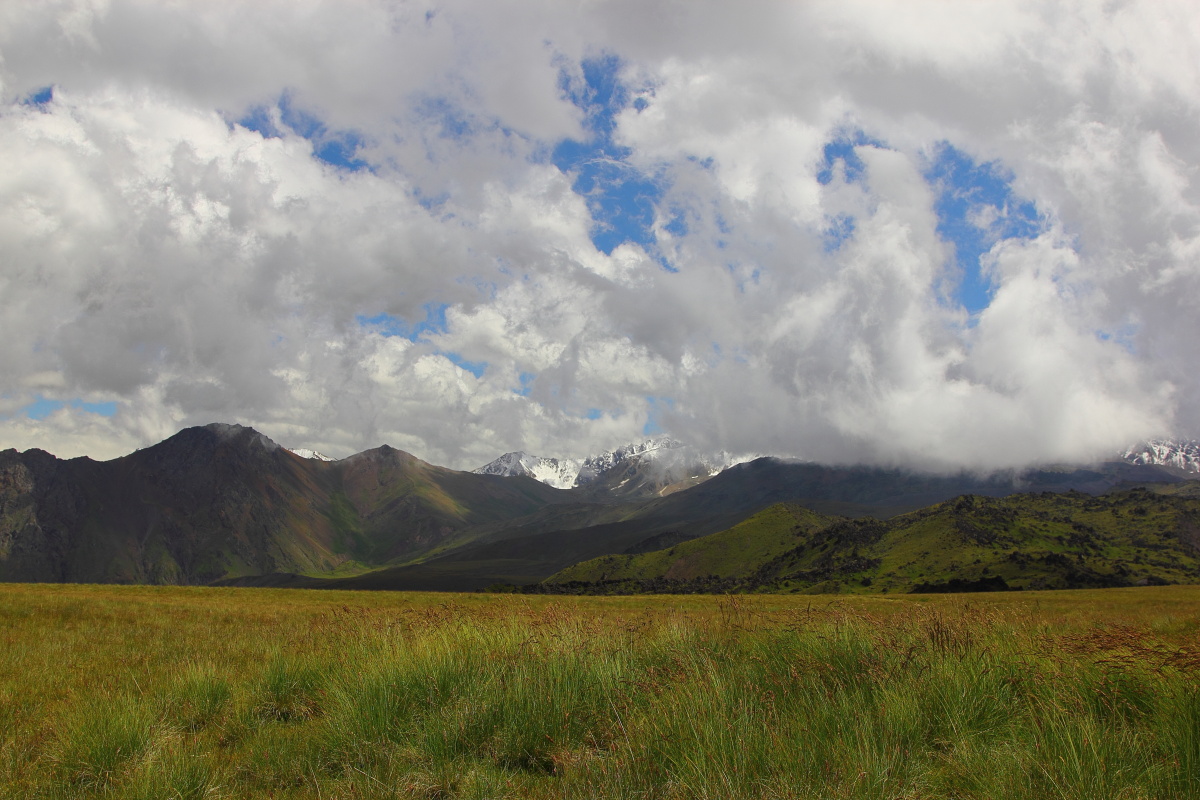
column 559, row 473
column 1182, row 454
column 224, row 501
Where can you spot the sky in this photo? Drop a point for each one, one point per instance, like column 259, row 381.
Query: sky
column 924, row 234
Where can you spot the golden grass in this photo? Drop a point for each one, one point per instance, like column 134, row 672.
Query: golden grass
column 111, row 691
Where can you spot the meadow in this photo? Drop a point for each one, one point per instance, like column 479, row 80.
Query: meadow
column 169, row 692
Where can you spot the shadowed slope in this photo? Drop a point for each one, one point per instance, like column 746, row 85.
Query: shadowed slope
column 205, row 503
column 224, row 501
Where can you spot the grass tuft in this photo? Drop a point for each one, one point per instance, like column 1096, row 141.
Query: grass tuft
column 101, row 739
column 199, row 697
column 291, row 690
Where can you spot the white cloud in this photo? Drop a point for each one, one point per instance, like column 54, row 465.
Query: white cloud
column 160, row 256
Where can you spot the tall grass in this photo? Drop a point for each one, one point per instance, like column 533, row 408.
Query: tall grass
column 204, row 694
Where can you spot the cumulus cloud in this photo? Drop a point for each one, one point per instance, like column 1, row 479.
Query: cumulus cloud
column 355, row 224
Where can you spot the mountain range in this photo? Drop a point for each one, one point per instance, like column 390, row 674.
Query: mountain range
column 659, row 465
column 223, row 503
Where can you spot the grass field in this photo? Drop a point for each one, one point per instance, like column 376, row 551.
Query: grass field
column 161, row 692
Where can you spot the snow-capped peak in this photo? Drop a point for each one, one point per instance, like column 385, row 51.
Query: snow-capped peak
column 559, row 473
column 660, row 453
column 649, row 450
column 304, row 452
column 1182, row 454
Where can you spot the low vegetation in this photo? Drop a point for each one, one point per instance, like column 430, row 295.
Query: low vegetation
column 167, row 692
column 1027, row 541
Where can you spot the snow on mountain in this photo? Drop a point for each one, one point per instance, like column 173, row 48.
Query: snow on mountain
column 656, row 449
column 304, row 452
column 1182, row 454
column 560, row 473
column 661, row 454
column 723, row 460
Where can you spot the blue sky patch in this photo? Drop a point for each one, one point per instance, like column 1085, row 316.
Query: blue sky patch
column 976, row 208
column 39, row 97
column 431, row 203
column 744, row 275
column 839, row 229
column 340, row 151
column 476, row 368
column 259, row 120
column 300, row 121
column 677, row 224
column 453, row 121
column 842, row 149
column 390, row 325
column 1124, row 336
column 336, row 148
column 623, row 201
column 525, row 379
column 657, row 406
column 42, row 408
column 434, row 322
column 107, row 409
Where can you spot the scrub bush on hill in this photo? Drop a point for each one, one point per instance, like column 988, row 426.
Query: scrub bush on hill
column 1034, row 541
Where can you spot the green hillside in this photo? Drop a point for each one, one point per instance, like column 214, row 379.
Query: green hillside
column 736, row 552
column 1035, row 541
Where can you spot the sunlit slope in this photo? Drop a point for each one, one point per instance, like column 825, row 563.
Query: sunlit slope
column 736, row 552
column 392, row 505
column 1068, row 540
column 1044, row 540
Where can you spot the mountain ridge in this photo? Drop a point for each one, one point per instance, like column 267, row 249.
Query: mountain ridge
column 565, row 473
column 653, row 466
column 224, row 502
column 533, row 548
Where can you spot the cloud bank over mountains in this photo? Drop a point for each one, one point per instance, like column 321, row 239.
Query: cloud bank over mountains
column 927, row 234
